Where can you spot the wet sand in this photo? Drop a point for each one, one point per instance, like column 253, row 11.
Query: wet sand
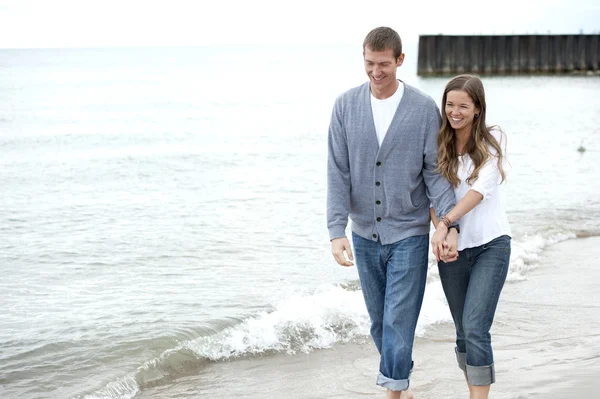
column 546, row 340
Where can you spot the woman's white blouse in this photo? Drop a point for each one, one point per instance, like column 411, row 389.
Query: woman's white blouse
column 487, row 220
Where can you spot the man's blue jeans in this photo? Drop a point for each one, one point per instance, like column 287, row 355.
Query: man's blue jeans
column 472, row 286
column 392, row 279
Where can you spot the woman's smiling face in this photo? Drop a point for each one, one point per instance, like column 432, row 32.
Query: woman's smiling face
column 460, row 110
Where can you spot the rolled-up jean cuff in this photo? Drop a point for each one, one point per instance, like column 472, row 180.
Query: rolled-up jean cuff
column 481, row 375
column 461, row 358
column 395, row 385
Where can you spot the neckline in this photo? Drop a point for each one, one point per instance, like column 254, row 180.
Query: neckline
column 399, row 90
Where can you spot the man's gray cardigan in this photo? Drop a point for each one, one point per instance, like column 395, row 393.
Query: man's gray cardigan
column 385, row 191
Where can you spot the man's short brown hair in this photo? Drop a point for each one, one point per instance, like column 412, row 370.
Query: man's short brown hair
column 383, row 38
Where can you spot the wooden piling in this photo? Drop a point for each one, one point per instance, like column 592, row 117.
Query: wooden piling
column 508, row 54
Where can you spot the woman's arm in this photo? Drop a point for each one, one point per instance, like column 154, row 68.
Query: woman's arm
column 471, row 199
column 489, row 178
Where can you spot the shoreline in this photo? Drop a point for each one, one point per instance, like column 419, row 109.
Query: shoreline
column 544, row 343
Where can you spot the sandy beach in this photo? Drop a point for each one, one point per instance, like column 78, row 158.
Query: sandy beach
column 546, row 339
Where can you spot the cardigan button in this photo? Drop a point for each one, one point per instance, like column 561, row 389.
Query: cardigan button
column 377, row 183
column 378, row 202
column 379, row 219
column 378, row 163
column 374, row 235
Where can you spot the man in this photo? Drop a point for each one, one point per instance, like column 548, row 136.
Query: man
column 381, row 173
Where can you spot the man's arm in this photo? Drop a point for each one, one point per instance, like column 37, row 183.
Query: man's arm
column 439, row 190
column 338, row 188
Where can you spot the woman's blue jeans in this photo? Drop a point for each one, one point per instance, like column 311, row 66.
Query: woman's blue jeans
column 392, row 279
column 472, row 286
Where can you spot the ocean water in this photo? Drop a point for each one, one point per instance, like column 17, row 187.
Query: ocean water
column 164, row 208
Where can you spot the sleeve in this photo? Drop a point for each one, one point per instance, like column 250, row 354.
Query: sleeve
column 439, row 190
column 489, row 175
column 489, row 178
column 338, row 176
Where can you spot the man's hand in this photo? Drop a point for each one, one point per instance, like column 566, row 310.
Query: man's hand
column 451, row 251
column 338, row 247
column 438, row 241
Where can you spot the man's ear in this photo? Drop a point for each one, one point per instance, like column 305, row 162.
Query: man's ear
column 400, row 60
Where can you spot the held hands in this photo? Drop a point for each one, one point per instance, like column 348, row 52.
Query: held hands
column 338, row 247
column 444, row 244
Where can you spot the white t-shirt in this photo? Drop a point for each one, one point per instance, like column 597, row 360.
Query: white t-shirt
column 384, row 111
column 487, row 220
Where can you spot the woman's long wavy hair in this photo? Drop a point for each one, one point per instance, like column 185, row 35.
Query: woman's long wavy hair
column 478, row 145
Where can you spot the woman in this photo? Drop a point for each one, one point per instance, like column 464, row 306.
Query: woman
column 471, row 157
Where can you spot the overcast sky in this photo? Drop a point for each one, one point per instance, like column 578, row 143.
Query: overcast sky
column 90, row 23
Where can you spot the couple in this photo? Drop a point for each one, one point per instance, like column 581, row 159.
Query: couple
column 394, row 165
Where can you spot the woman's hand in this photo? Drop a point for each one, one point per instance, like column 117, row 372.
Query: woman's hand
column 451, row 250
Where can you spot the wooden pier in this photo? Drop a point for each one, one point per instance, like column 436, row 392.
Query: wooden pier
column 508, row 54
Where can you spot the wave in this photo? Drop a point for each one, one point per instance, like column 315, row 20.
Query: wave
column 525, row 253
column 298, row 323
column 301, row 323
